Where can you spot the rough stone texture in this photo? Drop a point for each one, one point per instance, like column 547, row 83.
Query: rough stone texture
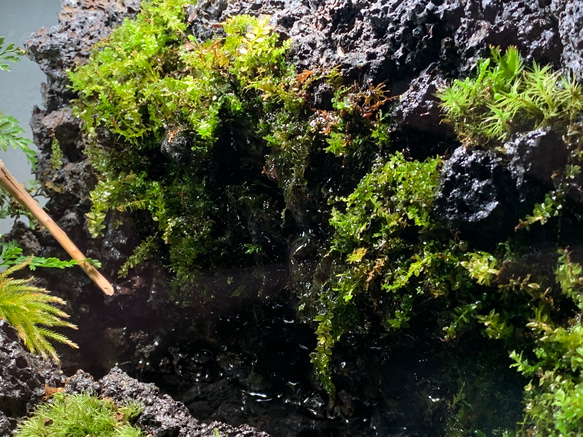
column 570, row 25
column 25, row 380
column 478, row 196
column 68, row 43
column 396, row 39
column 485, row 195
column 534, row 158
column 22, row 378
column 162, row 416
column 415, row 46
column 418, row 109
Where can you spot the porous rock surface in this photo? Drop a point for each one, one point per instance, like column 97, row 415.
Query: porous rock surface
column 415, row 47
column 25, row 381
column 161, row 416
column 22, row 378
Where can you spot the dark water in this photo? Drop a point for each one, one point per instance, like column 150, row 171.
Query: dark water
column 20, row 88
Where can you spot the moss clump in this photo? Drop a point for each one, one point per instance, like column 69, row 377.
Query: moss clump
column 505, row 98
column 183, row 114
column 222, row 151
column 81, row 415
column 181, row 129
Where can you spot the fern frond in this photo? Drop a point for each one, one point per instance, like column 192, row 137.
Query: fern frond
column 31, row 311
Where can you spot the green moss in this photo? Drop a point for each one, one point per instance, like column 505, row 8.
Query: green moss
column 81, row 415
column 535, row 313
column 505, row 97
column 225, row 154
column 189, row 126
column 189, row 96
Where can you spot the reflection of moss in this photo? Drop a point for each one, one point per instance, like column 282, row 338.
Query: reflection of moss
column 81, row 415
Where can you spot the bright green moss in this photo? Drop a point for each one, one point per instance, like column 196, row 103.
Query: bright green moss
column 188, row 126
column 81, row 415
column 505, row 97
column 222, row 152
column 151, row 84
column 387, row 249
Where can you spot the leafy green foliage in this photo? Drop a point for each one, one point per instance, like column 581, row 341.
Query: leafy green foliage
column 81, row 415
column 8, row 53
column 505, row 97
column 31, row 311
column 12, row 255
column 10, row 130
column 536, row 315
column 553, row 397
column 11, row 135
column 184, row 94
column 384, row 237
column 192, row 122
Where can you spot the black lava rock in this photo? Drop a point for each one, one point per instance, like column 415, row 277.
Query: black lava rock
column 22, row 378
column 534, row 158
column 478, row 196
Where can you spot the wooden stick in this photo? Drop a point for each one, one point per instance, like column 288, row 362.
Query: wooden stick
column 10, row 184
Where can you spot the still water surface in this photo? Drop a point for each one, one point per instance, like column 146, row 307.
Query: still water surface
column 20, row 88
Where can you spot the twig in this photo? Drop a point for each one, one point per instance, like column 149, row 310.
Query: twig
column 10, row 184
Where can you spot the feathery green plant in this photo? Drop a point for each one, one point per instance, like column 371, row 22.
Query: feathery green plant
column 554, row 396
column 31, row 311
column 12, row 255
column 81, row 415
column 505, row 97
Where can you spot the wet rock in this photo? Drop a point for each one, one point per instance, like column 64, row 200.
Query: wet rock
column 162, row 416
column 478, row 196
column 484, row 195
column 177, row 146
column 570, row 24
column 534, row 158
column 22, row 378
column 25, row 380
column 418, row 108
column 396, row 40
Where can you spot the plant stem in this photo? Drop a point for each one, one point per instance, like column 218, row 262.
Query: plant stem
column 11, row 185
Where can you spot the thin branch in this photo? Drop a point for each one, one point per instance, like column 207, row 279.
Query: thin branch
column 10, row 184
